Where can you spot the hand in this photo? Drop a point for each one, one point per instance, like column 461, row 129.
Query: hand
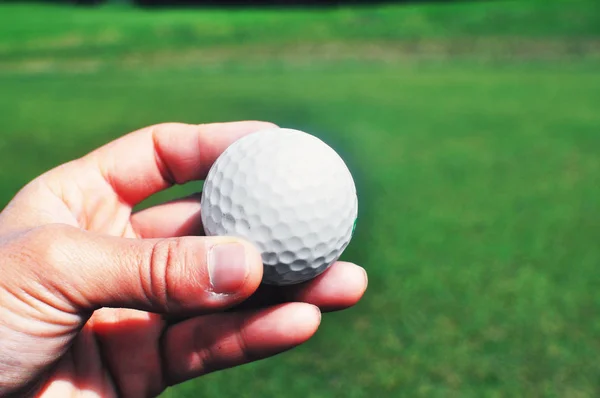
column 97, row 298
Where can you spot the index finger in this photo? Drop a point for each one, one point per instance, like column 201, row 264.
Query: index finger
column 152, row 159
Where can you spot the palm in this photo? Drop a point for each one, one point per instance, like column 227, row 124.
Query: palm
column 133, row 353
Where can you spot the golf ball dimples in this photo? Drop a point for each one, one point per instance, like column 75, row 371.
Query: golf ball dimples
column 287, row 192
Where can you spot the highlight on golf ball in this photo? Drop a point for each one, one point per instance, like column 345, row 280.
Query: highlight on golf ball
column 288, row 193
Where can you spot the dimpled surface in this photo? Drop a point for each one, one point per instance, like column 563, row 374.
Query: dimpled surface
column 287, row 192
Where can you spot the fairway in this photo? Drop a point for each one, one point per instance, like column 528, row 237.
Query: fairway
column 477, row 173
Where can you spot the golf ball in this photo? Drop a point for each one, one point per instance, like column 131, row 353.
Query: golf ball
column 288, row 193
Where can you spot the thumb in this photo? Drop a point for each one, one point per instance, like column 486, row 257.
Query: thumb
column 157, row 275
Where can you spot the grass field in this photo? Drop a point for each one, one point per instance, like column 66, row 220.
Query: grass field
column 473, row 131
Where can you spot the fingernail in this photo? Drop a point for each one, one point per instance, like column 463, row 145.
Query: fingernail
column 318, row 312
column 227, row 267
column 366, row 276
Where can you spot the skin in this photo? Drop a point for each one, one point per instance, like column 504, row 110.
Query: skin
column 99, row 300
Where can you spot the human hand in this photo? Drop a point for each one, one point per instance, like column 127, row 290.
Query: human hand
column 97, row 298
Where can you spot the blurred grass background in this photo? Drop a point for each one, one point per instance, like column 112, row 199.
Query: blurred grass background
column 473, row 130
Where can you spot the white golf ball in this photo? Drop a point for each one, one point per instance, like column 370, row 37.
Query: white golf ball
column 288, row 193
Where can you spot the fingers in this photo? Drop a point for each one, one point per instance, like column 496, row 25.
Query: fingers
column 128, row 340
column 82, row 366
column 340, row 287
column 205, row 344
column 192, row 274
column 154, row 158
column 180, row 217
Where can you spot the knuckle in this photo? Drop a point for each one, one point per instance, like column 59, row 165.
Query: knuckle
column 207, row 347
column 246, row 353
column 164, row 269
column 224, row 346
column 160, row 134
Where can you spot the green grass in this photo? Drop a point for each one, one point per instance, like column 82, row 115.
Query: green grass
column 478, row 178
column 110, row 31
